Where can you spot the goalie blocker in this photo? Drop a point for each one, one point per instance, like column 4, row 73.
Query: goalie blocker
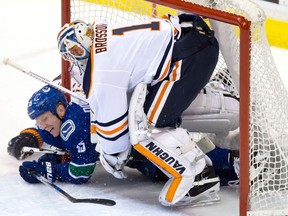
column 171, row 150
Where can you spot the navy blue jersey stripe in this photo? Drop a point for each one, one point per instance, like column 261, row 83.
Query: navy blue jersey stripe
column 111, row 122
column 87, row 76
column 114, row 138
column 158, row 73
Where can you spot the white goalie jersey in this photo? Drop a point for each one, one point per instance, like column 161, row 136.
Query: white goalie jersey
column 112, row 75
column 214, row 111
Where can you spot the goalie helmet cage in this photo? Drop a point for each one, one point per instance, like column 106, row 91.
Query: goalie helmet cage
column 245, row 67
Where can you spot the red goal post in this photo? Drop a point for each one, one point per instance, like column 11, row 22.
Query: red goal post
column 244, row 26
column 245, row 53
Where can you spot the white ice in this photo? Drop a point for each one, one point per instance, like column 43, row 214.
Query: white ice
column 28, row 36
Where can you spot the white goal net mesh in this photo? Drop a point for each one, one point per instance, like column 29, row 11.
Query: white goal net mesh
column 268, row 113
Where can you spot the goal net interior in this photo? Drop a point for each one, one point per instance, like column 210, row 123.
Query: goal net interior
column 246, row 67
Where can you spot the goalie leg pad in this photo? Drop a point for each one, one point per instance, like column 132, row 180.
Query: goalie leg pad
column 138, row 124
column 172, row 151
column 164, row 150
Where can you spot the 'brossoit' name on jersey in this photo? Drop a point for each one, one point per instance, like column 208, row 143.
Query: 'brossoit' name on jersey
column 148, row 47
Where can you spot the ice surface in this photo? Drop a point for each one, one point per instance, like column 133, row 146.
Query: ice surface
column 28, row 36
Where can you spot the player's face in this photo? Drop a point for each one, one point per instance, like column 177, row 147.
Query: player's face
column 76, row 50
column 49, row 122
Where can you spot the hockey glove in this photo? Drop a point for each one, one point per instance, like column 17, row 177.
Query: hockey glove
column 45, row 166
column 27, row 138
column 113, row 164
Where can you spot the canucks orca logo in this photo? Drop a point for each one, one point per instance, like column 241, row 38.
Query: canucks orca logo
column 67, row 128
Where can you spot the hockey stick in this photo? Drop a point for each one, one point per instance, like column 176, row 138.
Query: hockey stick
column 32, row 150
column 100, row 201
column 28, row 151
column 7, row 61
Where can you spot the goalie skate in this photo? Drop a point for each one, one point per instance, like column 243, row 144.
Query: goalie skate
column 205, row 190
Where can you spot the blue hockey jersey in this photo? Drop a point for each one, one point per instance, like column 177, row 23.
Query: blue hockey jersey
column 75, row 139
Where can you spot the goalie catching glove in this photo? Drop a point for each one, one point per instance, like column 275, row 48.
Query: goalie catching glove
column 28, row 137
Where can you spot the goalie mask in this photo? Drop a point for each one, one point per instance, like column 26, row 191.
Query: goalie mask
column 75, row 40
column 45, row 99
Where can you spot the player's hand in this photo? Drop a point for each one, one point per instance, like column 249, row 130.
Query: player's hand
column 45, row 166
column 113, row 164
column 27, row 138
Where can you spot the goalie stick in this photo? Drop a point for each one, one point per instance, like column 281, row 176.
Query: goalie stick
column 7, row 61
column 100, row 201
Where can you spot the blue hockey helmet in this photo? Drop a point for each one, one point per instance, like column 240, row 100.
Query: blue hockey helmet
column 75, row 34
column 45, row 99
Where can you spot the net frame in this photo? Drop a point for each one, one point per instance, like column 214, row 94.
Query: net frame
column 245, row 33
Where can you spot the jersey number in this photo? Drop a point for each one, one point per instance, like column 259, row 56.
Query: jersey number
column 154, row 26
column 85, row 107
column 81, row 147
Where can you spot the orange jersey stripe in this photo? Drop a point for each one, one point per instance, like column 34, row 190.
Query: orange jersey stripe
column 174, row 72
column 93, row 129
column 158, row 101
column 167, row 18
column 109, row 132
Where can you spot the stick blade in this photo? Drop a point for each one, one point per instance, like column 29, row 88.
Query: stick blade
column 99, row 201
